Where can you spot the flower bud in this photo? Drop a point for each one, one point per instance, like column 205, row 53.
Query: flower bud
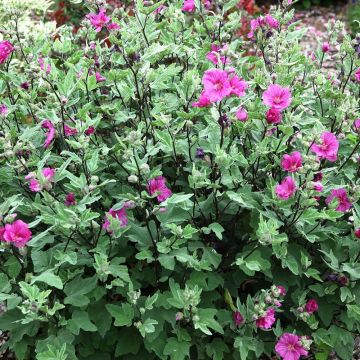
column 133, row 179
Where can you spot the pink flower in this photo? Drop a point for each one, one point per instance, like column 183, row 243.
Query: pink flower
column 160, row 9
column 325, row 47
column 273, row 116
column 292, row 163
column 238, row 318
column 342, row 198
column 70, row 199
column 89, row 131
column 282, row 290
column 3, row 110
column 17, row 233
column 238, row 86
column 116, row 214
column 69, row 131
column 267, row 321
column 215, row 54
column 202, row 102
column 47, row 124
column 286, row 189
column 6, row 49
column 35, row 186
column 357, row 75
column 311, row 306
column 99, row 77
column 317, row 186
column 216, row 84
column 242, row 114
column 328, row 148
column 41, row 62
column 157, row 186
column 277, row 97
column 254, row 25
column 188, row 6
column 98, row 21
column 113, row 26
column 272, row 22
column 48, row 173
column 2, row 230
column 289, row 347
column 357, row 124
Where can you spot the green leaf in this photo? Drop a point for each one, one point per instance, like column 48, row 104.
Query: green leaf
column 49, row 278
column 123, row 314
column 177, row 350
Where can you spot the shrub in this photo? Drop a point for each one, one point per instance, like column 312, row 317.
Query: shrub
column 165, row 196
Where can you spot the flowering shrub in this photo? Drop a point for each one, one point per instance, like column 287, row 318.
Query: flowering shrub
column 165, row 196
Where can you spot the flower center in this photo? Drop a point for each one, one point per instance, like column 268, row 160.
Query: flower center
column 277, row 99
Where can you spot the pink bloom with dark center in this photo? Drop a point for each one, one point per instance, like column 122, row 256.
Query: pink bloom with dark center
column 238, row 318
column 41, row 62
column 311, row 306
column 216, row 84
column 98, row 21
column 238, row 86
column 202, row 102
column 328, row 148
column 286, row 189
column 188, row 6
column 99, row 77
column 241, row 114
column 69, row 131
column 6, row 48
column 273, row 116
column 318, row 186
column 343, row 201
column 47, row 124
column 267, row 321
column 277, row 97
column 272, row 22
column 289, row 347
column 357, row 75
column 325, row 47
column 157, row 186
column 116, row 214
column 70, row 199
column 292, row 163
column 17, row 233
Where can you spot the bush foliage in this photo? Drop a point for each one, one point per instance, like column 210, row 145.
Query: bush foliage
column 170, row 190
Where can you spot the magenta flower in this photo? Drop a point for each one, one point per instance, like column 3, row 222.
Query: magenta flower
column 241, row 114
column 271, row 22
column 47, row 124
column 157, row 186
column 3, row 110
column 42, row 64
column 277, row 97
column 282, row 290
column 292, row 163
column 215, row 54
column 273, row 116
column 116, row 214
column 35, row 186
column 311, row 306
column 188, row 6
column 357, row 233
column 113, row 27
column 357, row 75
column 343, row 201
column 202, row 102
column 17, row 233
column 6, row 48
column 328, row 148
column 48, row 173
column 289, row 347
column 267, row 321
column 69, row 131
column 238, row 318
column 98, row 21
column 99, row 77
column 216, row 84
column 70, row 199
column 325, row 47
column 317, row 186
column 357, row 124
column 238, row 86
column 89, row 131
column 286, row 189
